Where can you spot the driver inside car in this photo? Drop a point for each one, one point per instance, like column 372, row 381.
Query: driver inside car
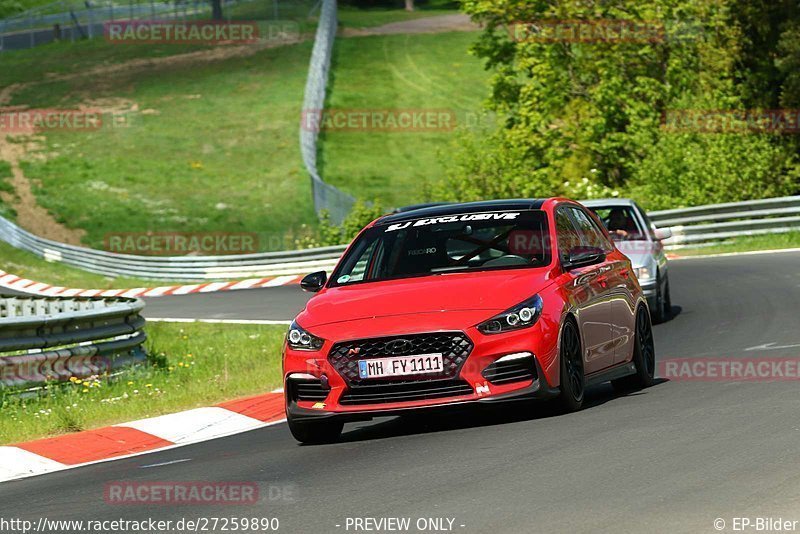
column 620, row 223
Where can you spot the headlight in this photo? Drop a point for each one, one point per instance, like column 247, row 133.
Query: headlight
column 298, row 339
column 643, row 273
column 520, row 316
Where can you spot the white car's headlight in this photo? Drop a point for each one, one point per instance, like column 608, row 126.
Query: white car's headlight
column 643, row 273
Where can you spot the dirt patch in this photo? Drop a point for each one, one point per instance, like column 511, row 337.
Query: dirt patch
column 219, row 53
column 7, row 92
column 27, row 144
column 30, row 215
column 442, row 23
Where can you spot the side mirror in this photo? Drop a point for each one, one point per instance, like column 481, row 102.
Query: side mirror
column 583, row 257
column 662, row 233
column 314, row 282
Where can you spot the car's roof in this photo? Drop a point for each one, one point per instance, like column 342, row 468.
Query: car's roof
column 413, row 207
column 464, row 207
column 597, row 202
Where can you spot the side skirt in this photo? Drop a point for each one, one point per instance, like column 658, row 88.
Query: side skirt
column 612, row 373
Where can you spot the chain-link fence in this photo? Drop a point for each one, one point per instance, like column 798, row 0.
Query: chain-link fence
column 69, row 20
column 326, row 197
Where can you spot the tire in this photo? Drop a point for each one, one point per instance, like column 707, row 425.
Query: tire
column 573, row 383
column 658, row 311
column 667, row 313
column 644, row 356
column 315, row 432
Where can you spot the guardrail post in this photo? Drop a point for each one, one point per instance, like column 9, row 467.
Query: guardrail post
column 31, row 30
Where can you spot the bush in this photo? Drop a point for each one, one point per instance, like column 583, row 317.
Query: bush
column 693, row 169
column 330, row 234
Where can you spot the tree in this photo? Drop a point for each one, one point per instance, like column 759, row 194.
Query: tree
column 409, row 5
column 581, row 115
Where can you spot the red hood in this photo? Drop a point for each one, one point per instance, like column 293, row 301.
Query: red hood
column 492, row 291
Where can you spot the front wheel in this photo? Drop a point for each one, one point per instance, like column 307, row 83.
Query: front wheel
column 667, row 301
column 315, row 432
column 572, row 377
column 663, row 303
column 644, row 355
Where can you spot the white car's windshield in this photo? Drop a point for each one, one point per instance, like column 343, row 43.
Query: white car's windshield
column 622, row 223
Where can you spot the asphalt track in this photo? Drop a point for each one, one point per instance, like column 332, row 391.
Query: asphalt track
column 272, row 303
column 672, row 458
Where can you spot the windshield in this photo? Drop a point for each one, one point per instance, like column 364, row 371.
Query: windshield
column 622, row 223
column 451, row 243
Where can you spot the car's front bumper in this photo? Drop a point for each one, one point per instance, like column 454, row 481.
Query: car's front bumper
column 536, row 389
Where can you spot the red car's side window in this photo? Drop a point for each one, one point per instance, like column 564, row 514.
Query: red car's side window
column 566, row 234
column 590, row 233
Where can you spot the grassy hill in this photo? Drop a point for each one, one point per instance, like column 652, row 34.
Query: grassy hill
column 205, row 139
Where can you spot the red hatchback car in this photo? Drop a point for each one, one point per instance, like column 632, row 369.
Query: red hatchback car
column 466, row 303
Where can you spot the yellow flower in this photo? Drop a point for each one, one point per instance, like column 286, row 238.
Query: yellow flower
column 148, row 385
column 85, row 390
column 130, row 383
column 171, row 368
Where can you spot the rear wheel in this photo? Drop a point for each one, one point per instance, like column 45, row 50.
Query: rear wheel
column 572, row 377
column 315, row 431
column 644, row 355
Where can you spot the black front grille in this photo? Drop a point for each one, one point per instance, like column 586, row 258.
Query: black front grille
column 510, row 371
column 405, row 391
column 307, row 390
column 454, row 347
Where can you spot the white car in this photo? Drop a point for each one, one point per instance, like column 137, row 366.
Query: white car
column 639, row 239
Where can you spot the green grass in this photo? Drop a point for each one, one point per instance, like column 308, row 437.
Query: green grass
column 398, row 72
column 746, row 244
column 5, row 187
column 12, row 7
column 192, row 365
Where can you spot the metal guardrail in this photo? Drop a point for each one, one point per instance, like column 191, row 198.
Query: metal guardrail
column 177, row 268
column 690, row 226
column 715, row 222
column 52, row 339
column 326, row 197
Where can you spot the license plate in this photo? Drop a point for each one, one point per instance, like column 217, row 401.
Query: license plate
column 419, row 364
